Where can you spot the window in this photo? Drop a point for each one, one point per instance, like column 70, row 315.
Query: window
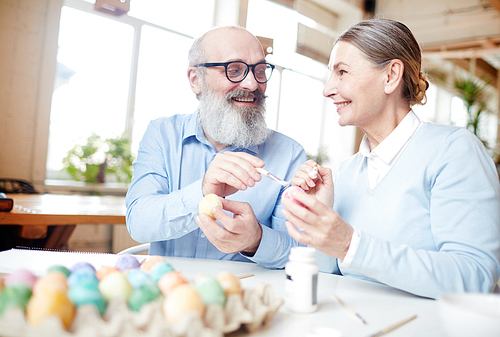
column 92, row 82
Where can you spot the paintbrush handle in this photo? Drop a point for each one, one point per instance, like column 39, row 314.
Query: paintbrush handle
column 394, row 326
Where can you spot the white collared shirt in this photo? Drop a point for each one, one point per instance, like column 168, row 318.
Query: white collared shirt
column 380, row 161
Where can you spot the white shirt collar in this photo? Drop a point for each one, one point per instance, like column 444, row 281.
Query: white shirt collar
column 389, row 148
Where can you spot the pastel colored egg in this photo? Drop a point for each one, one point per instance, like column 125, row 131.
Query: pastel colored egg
column 60, row 269
column 105, row 270
column 183, row 298
column 52, row 280
column 229, row 283
column 83, row 273
column 288, row 190
column 158, row 270
column 21, row 276
column 150, row 262
column 145, row 293
column 16, row 295
column 137, row 277
column 50, row 303
column 81, row 294
column 115, row 285
column 79, row 265
column 209, row 202
column 210, row 290
column 169, row 281
column 127, row 261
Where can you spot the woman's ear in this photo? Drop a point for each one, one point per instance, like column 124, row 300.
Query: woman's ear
column 194, row 80
column 394, row 75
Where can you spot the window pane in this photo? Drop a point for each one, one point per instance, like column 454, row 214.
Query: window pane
column 92, row 81
column 162, row 83
column 191, row 17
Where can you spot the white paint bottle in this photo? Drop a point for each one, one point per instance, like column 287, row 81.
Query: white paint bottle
column 301, row 284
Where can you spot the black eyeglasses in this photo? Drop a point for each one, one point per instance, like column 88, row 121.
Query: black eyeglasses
column 237, row 71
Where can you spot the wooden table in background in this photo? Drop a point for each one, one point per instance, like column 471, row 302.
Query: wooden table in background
column 36, row 212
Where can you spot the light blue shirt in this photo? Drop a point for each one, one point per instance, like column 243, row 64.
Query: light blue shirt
column 163, row 198
column 432, row 225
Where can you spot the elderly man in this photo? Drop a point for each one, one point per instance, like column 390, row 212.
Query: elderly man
column 216, row 150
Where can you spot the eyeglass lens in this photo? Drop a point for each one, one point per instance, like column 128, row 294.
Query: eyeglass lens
column 237, row 71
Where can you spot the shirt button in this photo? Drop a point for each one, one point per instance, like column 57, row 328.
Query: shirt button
column 203, row 235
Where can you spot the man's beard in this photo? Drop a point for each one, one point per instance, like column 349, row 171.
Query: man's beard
column 230, row 125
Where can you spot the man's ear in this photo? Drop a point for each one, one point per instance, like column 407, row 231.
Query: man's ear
column 194, row 79
column 393, row 75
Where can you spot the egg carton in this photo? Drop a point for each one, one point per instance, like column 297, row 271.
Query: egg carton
column 250, row 311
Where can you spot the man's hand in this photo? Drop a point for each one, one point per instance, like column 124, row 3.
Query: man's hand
column 230, row 172
column 241, row 233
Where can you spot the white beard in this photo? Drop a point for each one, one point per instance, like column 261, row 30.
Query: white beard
column 228, row 125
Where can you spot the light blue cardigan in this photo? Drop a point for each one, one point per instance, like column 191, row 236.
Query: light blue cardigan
column 432, row 225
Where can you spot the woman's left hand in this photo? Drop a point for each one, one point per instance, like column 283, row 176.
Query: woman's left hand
column 317, row 225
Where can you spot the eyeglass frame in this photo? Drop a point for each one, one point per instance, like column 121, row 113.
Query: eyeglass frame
column 249, row 66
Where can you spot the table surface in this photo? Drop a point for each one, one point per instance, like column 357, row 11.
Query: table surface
column 379, row 305
column 59, row 209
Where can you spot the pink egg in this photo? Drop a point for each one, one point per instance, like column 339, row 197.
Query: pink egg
column 150, row 262
column 169, row 281
column 286, row 194
column 21, row 276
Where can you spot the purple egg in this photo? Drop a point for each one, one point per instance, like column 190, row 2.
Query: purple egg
column 79, row 265
column 127, row 261
column 21, row 276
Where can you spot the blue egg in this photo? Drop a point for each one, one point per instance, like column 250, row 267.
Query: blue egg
column 82, row 295
column 137, row 277
column 159, row 269
column 83, row 273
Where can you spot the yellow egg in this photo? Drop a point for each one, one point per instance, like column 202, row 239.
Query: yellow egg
column 115, row 285
column 229, row 283
column 50, row 302
column 182, row 299
column 207, row 203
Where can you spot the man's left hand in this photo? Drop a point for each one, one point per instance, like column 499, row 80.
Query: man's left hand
column 241, row 233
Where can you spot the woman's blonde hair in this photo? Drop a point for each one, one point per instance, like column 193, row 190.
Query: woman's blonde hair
column 381, row 41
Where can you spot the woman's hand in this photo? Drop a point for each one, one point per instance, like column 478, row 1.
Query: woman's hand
column 319, row 185
column 317, row 225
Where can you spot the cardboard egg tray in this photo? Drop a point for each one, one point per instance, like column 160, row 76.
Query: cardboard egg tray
column 256, row 307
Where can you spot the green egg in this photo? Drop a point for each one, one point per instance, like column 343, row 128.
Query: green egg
column 210, row 290
column 61, row 269
column 145, row 293
column 14, row 296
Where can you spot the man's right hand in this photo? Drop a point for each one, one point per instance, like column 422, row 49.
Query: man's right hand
column 230, row 172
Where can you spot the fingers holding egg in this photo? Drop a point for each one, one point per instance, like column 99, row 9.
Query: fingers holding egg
column 209, row 202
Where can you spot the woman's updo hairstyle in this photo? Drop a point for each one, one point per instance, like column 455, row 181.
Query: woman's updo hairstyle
column 381, row 41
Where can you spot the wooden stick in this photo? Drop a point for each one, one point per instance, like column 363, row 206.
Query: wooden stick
column 244, row 276
column 272, row 176
column 394, row 326
column 351, row 310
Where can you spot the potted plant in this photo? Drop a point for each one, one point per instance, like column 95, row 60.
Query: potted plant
column 99, row 159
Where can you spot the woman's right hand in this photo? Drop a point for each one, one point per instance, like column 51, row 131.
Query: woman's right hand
column 321, row 186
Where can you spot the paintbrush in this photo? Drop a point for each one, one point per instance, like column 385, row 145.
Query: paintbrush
column 272, row 176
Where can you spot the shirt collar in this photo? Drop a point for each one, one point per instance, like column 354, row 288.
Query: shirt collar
column 388, row 149
column 193, row 128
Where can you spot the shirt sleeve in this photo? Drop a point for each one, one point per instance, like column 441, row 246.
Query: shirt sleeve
column 464, row 211
column 154, row 211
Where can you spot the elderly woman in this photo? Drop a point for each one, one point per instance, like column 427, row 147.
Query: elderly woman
column 417, row 208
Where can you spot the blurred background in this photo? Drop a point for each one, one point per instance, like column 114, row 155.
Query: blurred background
column 80, row 80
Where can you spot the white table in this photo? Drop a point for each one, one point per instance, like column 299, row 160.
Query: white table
column 379, row 305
